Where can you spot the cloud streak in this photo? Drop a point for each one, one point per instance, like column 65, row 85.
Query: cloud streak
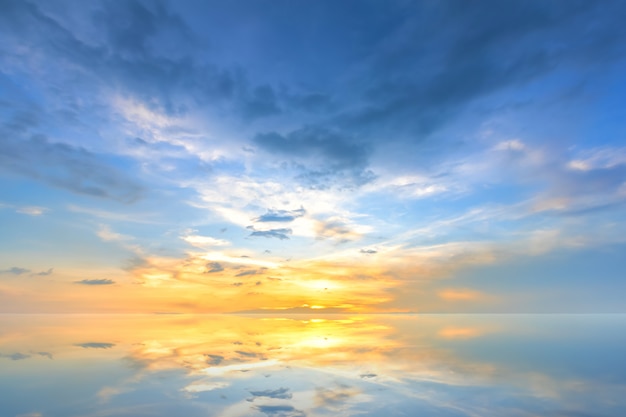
column 95, row 282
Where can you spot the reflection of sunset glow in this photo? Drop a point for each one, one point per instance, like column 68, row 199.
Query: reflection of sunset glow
column 460, row 332
column 341, row 358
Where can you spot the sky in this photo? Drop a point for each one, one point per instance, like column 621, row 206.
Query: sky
column 312, row 156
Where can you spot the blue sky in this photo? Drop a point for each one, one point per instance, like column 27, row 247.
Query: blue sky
column 351, row 156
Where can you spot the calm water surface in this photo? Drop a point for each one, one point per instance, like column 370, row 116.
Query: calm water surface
column 296, row 366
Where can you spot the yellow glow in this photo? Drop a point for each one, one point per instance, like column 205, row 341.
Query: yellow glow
column 245, row 345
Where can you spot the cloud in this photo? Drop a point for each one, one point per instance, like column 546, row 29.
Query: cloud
column 280, row 411
column 67, row 167
column 15, row 270
column 307, row 142
column 247, row 354
column 260, row 102
column 332, row 398
column 95, row 345
column 330, row 157
column 45, row 354
column 105, row 233
column 214, row 359
column 207, row 386
column 281, row 215
column 17, row 356
column 204, row 241
column 95, row 282
column 416, row 88
column 337, row 228
column 213, row 267
column 280, row 393
column 32, row 210
column 281, row 233
column 247, row 273
column 367, row 376
column 368, row 251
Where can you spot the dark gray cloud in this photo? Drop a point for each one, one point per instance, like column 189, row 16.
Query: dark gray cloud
column 261, row 102
column 281, row 233
column 144, row 47
column 331, row 146
column 368, row 251
column 311, row 102
column 280, row 393
column 327, row 154
column 95, row 282
column 214, row 359
column 281, row 215
column 45, row 354
column 95, row 345
column 17, row 356
column 280, row 411
column 367, row 376
column 246, row 354
column 213, row 267
column 15, row 270
column 474, row 50
column 247, row 273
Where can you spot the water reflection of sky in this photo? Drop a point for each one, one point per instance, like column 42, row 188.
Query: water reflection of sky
column 449, row 365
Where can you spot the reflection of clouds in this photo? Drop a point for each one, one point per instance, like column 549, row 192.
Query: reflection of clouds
column 96, row 345
column 280, row 411
column 17, row 356
column 205, row 386
column 280, row 393
column 334, row 397
column 274, row 366
column 461, row 332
